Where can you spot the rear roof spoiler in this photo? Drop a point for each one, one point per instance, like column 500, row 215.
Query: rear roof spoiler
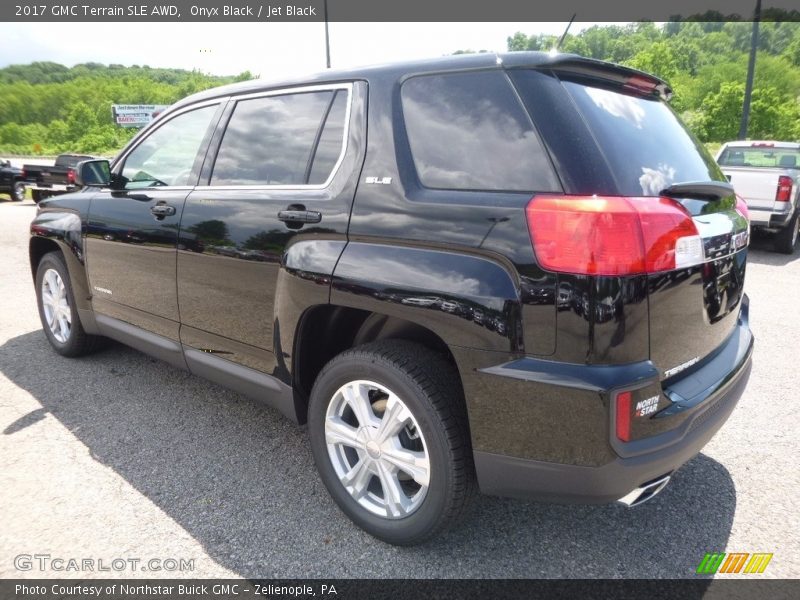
column 699, row 190
column 589, row 67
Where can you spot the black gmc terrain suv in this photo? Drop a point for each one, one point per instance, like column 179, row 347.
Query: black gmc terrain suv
column 514, row 272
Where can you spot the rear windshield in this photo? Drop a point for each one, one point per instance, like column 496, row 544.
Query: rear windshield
column 645, row 144
column 764, row 157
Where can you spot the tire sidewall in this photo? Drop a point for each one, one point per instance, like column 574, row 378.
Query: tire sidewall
column 54, row 261
column 416, row 526
column 784, row 241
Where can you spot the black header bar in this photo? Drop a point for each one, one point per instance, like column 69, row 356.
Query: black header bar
column 103, row 11
column 398, row 589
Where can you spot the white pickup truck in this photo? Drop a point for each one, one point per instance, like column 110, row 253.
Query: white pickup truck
column 767, row 175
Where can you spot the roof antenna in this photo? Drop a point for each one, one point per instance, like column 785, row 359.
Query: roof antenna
column 557, row 47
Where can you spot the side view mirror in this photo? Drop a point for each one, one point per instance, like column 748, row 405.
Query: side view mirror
column 93, row 173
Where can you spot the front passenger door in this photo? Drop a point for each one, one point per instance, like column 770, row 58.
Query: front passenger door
column 132, row 232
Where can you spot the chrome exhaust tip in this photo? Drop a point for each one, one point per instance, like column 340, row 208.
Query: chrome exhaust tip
column 642, row 494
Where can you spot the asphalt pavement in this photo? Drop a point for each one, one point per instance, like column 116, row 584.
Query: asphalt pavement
column 119, row 455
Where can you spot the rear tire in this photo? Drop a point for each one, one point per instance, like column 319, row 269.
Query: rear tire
column 414, row 396
column 786, row 238
column 36, row 195
column 18, row 192
column 57, row 309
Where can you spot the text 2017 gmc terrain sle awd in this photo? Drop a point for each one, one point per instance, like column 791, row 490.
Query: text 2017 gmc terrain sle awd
column 518, row 273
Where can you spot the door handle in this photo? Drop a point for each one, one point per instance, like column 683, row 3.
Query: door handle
column 162, row 210
column 299, row 216
column 140, row 197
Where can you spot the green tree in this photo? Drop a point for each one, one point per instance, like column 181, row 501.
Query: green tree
column 517, row 42
column 721, row 113
column 658, row 58
column 57, row 109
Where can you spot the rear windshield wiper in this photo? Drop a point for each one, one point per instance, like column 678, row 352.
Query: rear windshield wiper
column 701, row 190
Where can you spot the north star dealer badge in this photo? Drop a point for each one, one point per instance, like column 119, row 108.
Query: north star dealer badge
column 647, row 406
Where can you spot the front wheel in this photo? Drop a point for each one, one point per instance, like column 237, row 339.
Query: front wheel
column 57, row 309
column 786, row 238
column 389, row 436
column 18, row 193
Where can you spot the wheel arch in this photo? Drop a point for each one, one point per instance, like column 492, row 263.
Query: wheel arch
column 61, row 231
column 38, row 247
column 325, row 331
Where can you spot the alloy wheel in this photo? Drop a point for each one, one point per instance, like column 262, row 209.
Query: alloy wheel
column 55, row 302
column 377, row 449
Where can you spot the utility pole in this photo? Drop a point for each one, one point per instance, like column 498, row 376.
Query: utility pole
column 751, row 67
column 327, row 40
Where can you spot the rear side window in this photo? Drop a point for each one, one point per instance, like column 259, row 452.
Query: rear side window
column 645, row 144
column 468, row 131
column 282, row 140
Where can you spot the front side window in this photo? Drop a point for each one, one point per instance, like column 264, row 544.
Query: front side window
column 292, row 139
column 167, row 156
column 469, row 131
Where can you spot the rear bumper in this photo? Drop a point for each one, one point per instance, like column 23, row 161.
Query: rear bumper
column 773, row 219
column 635, row 464
column 51, row 188
column 508, row 476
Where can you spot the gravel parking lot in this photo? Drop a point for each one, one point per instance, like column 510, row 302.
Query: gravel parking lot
column 119, row 455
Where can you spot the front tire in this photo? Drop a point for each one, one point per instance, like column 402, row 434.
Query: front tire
column 786, row 238
column 57, row 309
column 389, row 436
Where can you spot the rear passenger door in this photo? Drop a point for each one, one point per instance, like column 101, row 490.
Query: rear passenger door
column 275, row 176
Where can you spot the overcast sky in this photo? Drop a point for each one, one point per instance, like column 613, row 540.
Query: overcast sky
column 268, row 49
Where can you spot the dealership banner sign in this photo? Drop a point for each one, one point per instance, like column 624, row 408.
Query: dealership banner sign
column 136, row 115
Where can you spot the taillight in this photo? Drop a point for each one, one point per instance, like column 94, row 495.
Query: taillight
column 612, row 235
column 24, row 174
column 784, row 192
column 71, row 176
column 741, row 207
column 624, row 416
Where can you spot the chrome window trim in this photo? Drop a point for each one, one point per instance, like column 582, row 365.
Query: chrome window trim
column 285, row 92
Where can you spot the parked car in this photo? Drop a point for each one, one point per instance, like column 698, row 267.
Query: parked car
column 767, row 175
column 501, row 183
column 11, row 181
column 45, row 181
